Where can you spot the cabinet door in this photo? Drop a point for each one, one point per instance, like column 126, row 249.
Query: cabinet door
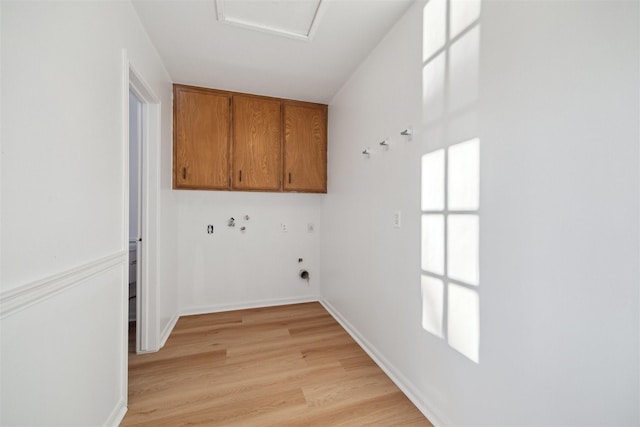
column 256, row 144
column 305, row 147
column 201, row 139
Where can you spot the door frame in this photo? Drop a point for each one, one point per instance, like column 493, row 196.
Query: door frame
column 140, row 248
column 146, row 310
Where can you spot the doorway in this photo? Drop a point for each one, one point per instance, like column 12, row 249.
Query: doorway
column 141, row 116
column 135, row 216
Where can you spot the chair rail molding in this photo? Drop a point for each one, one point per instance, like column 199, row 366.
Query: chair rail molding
column 14, row 300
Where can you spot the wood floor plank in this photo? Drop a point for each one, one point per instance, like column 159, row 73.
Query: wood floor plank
column 280, row 366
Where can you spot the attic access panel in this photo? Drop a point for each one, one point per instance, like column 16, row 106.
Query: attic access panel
column 296, row 19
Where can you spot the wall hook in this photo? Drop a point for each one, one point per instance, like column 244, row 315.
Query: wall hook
column 231, row 222
column 408, row 132
column 385, row 142
column 366, row 152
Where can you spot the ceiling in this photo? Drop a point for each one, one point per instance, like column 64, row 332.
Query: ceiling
column 327, row 40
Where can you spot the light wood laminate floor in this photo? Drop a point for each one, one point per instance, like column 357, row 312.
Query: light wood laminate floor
column 278, row 366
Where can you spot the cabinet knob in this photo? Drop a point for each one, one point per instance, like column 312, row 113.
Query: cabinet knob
column 184, row 173
column 289, row 177
column 240, row 177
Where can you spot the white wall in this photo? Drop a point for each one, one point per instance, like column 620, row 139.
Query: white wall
column 64, row 228
column 557, row 118
column 556, row 110
column 231, row 269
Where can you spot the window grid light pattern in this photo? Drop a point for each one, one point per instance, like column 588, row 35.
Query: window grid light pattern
column 450, row 175
column 450, row 246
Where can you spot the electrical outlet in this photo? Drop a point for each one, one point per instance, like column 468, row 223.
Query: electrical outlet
column 283, row 227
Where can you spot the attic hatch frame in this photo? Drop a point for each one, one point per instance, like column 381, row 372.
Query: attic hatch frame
column 224, row 18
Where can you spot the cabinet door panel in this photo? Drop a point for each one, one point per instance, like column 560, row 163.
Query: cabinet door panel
column 256, row 145
column 305, row 148
column 202, row 137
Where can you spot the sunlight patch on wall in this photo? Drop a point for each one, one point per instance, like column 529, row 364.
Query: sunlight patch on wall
column 463, row 328
column 433, row 181
column 464, row 176
column 434, row 15
column 463, row 14
column 433, row 299
column 462, row 248
column 450, row 203
column 433, row 88
column 450, row 246
column 464, row 69
column 433, row 243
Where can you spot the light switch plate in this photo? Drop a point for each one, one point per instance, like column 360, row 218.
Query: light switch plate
column 397, row 219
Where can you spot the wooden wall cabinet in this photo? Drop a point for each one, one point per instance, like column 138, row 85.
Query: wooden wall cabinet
column 233, row 141
column 305, row 147
column 201, row 139
column 256, row 154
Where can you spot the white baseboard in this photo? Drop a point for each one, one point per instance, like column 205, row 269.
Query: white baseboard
column 167, row 330
column 216, row 308
column 392, row 372
column 117, row 415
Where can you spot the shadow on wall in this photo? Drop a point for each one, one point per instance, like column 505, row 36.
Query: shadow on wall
column 450, row 199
